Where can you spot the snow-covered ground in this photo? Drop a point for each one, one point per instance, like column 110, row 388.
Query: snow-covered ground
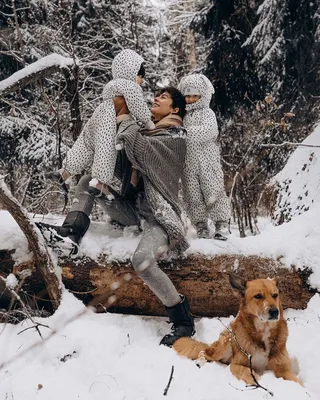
column 115, row 357
column 107, row 356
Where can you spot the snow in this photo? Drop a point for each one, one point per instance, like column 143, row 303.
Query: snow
column 111, row 356
column 11, row 281
column 108, row 356
column 299, row 181
column 43, row 63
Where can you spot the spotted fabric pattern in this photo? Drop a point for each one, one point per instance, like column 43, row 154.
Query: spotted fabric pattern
column 95, row 146
column 202, row 180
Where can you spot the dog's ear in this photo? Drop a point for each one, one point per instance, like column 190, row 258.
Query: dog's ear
column 237, row 283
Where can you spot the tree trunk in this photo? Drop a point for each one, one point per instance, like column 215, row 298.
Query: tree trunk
column 41, row 258
column 115, row 287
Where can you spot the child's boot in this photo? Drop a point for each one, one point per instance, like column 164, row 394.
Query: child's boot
column 221, row 230
column 202, row 230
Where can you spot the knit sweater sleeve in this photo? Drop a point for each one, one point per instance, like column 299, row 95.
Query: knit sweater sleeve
column 134, row 143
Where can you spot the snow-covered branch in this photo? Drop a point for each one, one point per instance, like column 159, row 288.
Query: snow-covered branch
column 42, row 258
column 38, row 70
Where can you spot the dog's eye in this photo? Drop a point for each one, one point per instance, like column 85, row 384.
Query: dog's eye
column 258, row 296
column 275, row 295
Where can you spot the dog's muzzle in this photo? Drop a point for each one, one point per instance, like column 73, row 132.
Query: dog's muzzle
column 273, row 313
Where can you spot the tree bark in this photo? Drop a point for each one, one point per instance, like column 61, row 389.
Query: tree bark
column 72, row 79
column 41, row 258
column 114, row 286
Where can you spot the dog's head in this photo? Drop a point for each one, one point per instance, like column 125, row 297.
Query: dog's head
column 260, row 297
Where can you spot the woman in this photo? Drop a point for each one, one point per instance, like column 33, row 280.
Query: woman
column 149, row 167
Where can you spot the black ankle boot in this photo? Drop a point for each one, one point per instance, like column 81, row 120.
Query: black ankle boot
column 183, row 323
column 73, row 229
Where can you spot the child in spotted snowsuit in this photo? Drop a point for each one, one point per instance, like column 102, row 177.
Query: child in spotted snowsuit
column 202, row 181
column 96, row 145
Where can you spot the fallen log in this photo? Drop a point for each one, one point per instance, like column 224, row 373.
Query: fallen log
column 114, row 287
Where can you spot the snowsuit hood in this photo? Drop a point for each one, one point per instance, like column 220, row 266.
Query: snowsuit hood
column 202, row 84
column 126, row 65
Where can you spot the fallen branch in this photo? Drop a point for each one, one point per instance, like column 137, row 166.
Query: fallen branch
column 41, row 257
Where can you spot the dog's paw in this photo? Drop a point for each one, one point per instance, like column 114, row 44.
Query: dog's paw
column 201, row 360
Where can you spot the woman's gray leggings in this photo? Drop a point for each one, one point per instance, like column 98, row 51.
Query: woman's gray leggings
column 153, row 243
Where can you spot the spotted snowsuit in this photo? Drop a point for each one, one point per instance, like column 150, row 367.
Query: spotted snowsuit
column 95, row 146
column 202, row 180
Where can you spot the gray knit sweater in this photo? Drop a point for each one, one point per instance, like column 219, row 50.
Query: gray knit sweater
column 160, row 159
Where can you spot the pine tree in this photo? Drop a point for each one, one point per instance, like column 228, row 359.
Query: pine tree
column 268, row 43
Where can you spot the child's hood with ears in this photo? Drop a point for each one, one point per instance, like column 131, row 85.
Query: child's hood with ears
column 202, row 84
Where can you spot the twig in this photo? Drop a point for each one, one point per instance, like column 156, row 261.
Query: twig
column 16, row 295
column 288, row 144
column 35, row 327
column 88, row 292
column 169, row 383
column 257, row 384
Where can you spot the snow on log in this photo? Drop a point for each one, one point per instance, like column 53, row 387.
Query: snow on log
column 41, row 258
column 114, row 286
column 38, row 70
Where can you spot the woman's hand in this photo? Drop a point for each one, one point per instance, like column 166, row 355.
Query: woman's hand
column 120, row 106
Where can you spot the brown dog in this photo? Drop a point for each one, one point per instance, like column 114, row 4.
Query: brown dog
column 258, row 330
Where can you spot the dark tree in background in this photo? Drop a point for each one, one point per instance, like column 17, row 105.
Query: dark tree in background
column 264, row 62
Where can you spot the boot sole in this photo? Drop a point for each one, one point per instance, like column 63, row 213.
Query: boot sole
column 220, row 237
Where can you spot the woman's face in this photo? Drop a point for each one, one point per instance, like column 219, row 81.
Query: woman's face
column 162, row 106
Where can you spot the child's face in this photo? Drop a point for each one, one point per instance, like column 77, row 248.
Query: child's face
column 139, row 80
column 192, row 98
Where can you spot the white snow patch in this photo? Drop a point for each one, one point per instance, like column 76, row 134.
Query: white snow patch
column 11, row 281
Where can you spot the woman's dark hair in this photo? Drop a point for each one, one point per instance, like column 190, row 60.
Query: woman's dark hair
column 142, row 71
column 178, row 100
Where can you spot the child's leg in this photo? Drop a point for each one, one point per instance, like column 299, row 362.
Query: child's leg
column 104, row 160
column 218, row 205
column 194, row 202
column 80, row 156
column 221, row 210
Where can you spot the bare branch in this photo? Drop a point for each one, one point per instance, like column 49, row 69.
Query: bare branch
column 292, row 144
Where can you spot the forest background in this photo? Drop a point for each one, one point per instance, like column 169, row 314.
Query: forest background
column 262, row 57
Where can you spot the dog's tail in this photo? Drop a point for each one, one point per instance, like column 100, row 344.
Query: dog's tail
column 190, row 348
